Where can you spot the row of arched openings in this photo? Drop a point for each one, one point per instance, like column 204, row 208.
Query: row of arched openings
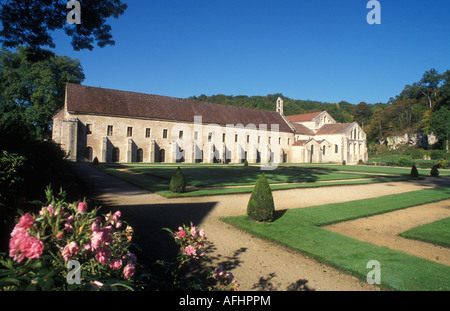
column 115, row 156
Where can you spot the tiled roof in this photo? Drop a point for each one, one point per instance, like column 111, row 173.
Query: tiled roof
column 300, row 142
column 301, row 129
column 303, row 117
column 334, row 128
column 304, row 142
column 95, row 100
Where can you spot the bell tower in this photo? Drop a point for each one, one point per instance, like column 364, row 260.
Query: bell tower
column 280, row 105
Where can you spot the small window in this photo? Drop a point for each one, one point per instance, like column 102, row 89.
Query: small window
column 88, row 129
column 165, row 133
column 259, row 139
column 180, row 135
column 147, row 133
column 110, row 130
column 289, row 141
column 270, row 138
column 336, row 149
column 195, row 135
column 235, row 138
column 279, row 140
column 129, row 131
column 324, row 147
column 223, row 137
column 248, row 138
column 209, row 136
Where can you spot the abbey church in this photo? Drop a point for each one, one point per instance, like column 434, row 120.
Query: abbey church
column 121, row 126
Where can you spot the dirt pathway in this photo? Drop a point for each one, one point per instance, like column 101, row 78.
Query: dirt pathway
column 257, row 264
column 383, row 230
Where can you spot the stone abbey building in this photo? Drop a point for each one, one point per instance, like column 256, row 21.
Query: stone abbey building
column 120, row 126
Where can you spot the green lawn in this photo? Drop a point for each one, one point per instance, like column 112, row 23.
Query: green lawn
column 437, row 232
column 299, row 229
column 231, row 179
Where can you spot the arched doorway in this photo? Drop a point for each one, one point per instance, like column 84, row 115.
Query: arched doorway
column 88, row 154
column 115, row 155
column 140, row 155
column 162, row 155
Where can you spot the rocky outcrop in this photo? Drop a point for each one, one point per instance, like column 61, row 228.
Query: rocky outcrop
column 419, row 139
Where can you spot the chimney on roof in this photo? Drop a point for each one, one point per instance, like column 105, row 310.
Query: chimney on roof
column 280, row 105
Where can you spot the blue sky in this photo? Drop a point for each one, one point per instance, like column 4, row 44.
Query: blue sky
column 318, row 50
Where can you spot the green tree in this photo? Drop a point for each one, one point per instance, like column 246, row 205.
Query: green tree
column 32, row 90
column 439, row 125
column 260, row 206
column 32, row 22
column 362, row 113
column 429, row 85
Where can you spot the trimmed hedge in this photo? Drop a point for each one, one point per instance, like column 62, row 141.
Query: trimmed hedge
column 260, row 206
column 177, row 182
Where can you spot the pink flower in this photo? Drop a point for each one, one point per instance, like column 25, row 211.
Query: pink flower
column 117, row 215
column 194, row 231
column 180, row 234
column 70, row 250
column 98, row 283
column 101, row 236
column 190, row 250
column 115, row 264
column 60, row 235
column 25, row 222
column 128, row 271
column 50, row 209
column 68, row 227
column 202, row 233
column 23, row 245
column 81, row 208
column 96, row 239
column 95, row 227
column 118, row 225
column 103, row 255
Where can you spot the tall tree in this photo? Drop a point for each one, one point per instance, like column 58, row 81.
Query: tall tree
column 30, row 22
column 31, row 90
column 429, row 85
column 362, row 113
column 440, row 121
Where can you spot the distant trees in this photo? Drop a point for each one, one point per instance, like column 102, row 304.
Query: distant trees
column 418, row 106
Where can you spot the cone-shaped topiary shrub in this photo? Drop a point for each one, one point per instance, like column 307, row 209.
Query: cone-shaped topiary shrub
column 260, row 206
column 95, row 162
column 245, row 162
column 177, row 182
column 434, row 171
column 414, row 171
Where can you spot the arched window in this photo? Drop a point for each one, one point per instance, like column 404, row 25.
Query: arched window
column 88, row 154
column 115, row 155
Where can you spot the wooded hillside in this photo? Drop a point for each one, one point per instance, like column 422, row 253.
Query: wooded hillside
column 423, row 105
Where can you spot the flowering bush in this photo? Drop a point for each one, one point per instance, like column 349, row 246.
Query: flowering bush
column 66, row 247
column 191, row 242
column 225, row 280
column 192, row 245
column 42, row 245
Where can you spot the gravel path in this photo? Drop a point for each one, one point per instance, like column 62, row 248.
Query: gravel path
column 256, row 264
